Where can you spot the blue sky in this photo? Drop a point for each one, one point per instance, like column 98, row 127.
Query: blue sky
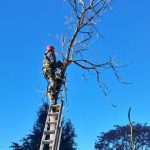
column 25, row 28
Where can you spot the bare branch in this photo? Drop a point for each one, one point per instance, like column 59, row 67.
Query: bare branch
column 84, row 20
column 82, row 27
column 131, row 129
column 91, row 65
column 87, row 65
column 74, row 7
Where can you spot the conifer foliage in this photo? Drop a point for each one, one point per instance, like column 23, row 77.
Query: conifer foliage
column 32, row 141
column 68, row 135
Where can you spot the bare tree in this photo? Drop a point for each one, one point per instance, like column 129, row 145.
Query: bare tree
column 82, row 25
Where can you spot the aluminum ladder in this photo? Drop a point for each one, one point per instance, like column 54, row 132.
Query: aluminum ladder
column 53, row 128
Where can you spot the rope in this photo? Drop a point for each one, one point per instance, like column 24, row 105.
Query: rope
column 68, row 115
column 66, row 101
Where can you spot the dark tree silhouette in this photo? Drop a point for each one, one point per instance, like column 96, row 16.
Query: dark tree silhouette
column 32, row 141
column 67, row 137
column 119, row 138
column 15, row 146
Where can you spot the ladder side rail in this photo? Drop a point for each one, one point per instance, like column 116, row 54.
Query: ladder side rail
column 45, row 128
column 56, row 140
column 59, row 138
column 57, row 126
column 58, row 134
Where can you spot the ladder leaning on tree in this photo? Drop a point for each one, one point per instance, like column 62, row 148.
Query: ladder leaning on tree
column 53, row 126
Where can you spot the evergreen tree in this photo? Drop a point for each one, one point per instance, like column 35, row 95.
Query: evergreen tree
column 15, row 146
column 67, row 138
column 36, row 135
column 32, row 141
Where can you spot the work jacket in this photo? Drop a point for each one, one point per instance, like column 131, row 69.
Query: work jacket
column 50, row 60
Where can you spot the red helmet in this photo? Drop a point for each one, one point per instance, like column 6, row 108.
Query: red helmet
column 50, row 48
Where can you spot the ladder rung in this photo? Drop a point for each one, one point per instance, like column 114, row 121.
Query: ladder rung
column 53, row 127
column 53, row 114
column 49, row 132
column 54, row 122
column 53, row 106
column 47, row 141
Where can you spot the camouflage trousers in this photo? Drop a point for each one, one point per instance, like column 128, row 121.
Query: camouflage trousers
column 49, row 74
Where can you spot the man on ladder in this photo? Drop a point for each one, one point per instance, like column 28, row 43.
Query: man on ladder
column 53, row 127
column 49, row 70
